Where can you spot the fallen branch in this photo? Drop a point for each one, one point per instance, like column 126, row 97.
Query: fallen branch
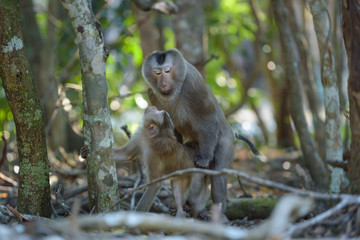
column 287, row 210
column 7, row 216
column 319, row 218
column 249, row 178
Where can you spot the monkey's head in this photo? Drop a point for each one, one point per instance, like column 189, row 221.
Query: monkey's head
column 157, row 123
column 165, row 72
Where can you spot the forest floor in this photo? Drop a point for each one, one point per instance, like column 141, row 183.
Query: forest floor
column 251, row 204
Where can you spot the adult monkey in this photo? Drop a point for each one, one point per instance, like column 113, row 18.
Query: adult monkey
column 177, row 87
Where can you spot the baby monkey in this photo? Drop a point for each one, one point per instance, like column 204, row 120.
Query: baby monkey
column 163, row 154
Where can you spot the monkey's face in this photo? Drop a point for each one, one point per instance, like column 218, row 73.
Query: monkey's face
column 156, row 121
column 164, row 77
column 165, row 72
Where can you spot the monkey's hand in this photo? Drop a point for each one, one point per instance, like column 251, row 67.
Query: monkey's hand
column 202, row 161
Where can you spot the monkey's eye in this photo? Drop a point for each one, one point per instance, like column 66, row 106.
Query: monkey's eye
column 157, row 71
column 167, row 69
column 152, row 128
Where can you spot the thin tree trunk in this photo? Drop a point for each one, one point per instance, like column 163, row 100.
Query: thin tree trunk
column 31, row 34
column 308, row 79
column 148, row 32
column 189, row 26
column 331, row 92
column 312, row 157
column 98, row 134
column 19, row 86
column 351, row 34
column 277, row 85
column 48, row 86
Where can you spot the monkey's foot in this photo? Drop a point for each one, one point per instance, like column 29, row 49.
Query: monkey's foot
column 180, row 213
column 224, row 219
column 172, row 211
column 204, row 215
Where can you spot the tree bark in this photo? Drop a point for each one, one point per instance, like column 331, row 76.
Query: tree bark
column 351, row 34
column 308, row 78
column 277, row 85
column 19, row 86
column 98, row 134
column 31, row 35
column 48, row 86
column 189, row 26
column 42, row 57
column 331, row 92
column 148, row 33
column 312, row 157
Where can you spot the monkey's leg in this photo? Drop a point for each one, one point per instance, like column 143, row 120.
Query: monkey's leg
column 147, row 198
column 223, row 158
column 198, row 194
column 178, row 195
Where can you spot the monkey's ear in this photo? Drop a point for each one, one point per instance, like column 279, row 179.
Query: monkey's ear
column 167, row 120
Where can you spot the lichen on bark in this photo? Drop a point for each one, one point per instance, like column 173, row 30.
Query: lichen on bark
column 333, row 150
column 19, row 86
column 316, row 165
column 97, row 129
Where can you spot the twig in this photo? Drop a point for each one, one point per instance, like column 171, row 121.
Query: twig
column 78, row 190
column 132, row 202
column 16, row 214
column 338, row 164
column 7, row 216
column 242, row 188
column 7, row 179
column 253, row 179
column 212, row 56
column 288, row 209
column 337, row 208
column 305, row 177
column 126, row 95
column 154, row 222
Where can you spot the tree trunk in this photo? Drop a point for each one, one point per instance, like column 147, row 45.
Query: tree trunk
column 189, row 26
column 351, row 34
column 98, row 134
column 42, row 58
column 56, row 119
column 284, row 132
column 312, row 157
column 31, row 35
column 331, row 92
column 148, row 33
column 307, row 76
column 277, row 85
column 15, row 72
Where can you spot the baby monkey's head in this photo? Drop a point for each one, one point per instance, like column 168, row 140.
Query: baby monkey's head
column 157, row 122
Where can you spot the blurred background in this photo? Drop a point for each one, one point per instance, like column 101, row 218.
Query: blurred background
column 234, row 43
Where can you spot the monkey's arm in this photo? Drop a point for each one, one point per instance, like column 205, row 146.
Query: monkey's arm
column 130, row 149
column 147, row 198
column 208, row 139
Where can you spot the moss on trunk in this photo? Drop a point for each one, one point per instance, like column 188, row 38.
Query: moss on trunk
column 34, row 188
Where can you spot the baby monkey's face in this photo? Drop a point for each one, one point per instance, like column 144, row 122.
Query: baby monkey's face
column 155, row 121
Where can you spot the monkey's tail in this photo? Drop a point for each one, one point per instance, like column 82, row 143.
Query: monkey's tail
column 251, row 145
